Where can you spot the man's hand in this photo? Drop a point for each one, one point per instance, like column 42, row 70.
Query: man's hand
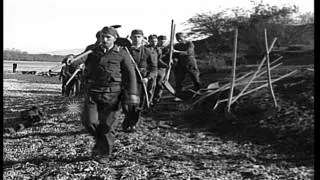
column 82, row 66
column 131, row 100
column 175, row 51
column 145, row 80
column 69, row 60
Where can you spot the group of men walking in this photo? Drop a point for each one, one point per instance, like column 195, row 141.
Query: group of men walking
column 112, row 82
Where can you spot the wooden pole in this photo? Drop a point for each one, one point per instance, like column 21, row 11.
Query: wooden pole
column 258, row 75
column 144, row 87
column 167, row 76
column 226, row 86
column 268, row 69
column 275, row 80
column 255, row 74
column 234, row 64
column 72, row 60
column 73, row 75
column 257, row 88
column 263, row 71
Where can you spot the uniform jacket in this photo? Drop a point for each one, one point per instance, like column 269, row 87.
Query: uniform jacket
column 64, row 73
column 187, row 56
column 146, row 61
column 110, row 69
column 160, row 53
column 164, row 57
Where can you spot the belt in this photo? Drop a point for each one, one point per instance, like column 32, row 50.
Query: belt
column 105, row 89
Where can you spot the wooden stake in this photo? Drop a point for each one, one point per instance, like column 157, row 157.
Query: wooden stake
column 257, row 88
column 173, row 27
column 234, row 64
column 268, row 69
column 73, row 60
column 258, row 75
column 263, row 71
column 226, row 86
column 255, row 74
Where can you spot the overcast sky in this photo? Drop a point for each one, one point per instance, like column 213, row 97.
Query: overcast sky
column 40, row 26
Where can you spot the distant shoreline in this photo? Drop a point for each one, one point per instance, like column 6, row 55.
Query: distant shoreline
column 29, row 65
column 31, row 60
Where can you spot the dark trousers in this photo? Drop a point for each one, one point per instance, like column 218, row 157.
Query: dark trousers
column 159, row 86
column 73, row 88
column 63, row 87
column 182, row 70
column 151, row 86
column 99, row 117
column 133, row 112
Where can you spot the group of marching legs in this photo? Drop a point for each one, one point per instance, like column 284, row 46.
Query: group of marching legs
column 71, row 86
column 121, row 77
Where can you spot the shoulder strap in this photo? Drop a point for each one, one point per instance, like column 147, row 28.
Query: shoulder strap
column 141, row 53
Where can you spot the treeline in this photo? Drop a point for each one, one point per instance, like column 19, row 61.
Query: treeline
column 285, row 22
column 250, row 41
column 17, row 55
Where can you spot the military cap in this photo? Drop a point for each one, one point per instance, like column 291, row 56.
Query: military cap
column 162, row 37
column 109, row 30
column 152, row 36
column 98, row 35
column 136, row 31
column 180, row 34
column 116, row 26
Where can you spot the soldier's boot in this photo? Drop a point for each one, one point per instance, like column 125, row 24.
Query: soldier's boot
column 95, row 151
column 128, row 127
column 125, row 124
column 103, row 153
column 104, row 143
column 131, row 129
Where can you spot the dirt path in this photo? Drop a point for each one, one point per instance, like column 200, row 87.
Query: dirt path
column 167, row 145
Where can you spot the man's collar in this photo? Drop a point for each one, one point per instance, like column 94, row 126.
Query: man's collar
column 134, row 46
column 114, row 48
column 137, row 48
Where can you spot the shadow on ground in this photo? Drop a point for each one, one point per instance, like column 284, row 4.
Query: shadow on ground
column 257, row 121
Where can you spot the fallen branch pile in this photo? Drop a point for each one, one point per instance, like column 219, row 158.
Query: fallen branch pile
column 245, row 80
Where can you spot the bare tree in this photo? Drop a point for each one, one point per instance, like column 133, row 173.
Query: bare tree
column 250, row 22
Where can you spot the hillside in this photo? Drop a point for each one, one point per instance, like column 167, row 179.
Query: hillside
column 10, row 55
column 65, row 52
column 286, row 35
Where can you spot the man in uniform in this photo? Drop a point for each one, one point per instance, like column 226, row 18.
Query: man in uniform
column 186, row 62
column 106, row 69
column 80, row 62
column 156, row 52
column 65, row 74
column 147, row 65
column 163, row 60
column 73, row 88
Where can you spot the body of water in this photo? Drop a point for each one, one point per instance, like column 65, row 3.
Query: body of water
column 29, row 65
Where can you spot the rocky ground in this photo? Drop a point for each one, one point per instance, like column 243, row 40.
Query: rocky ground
column 171, row 142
